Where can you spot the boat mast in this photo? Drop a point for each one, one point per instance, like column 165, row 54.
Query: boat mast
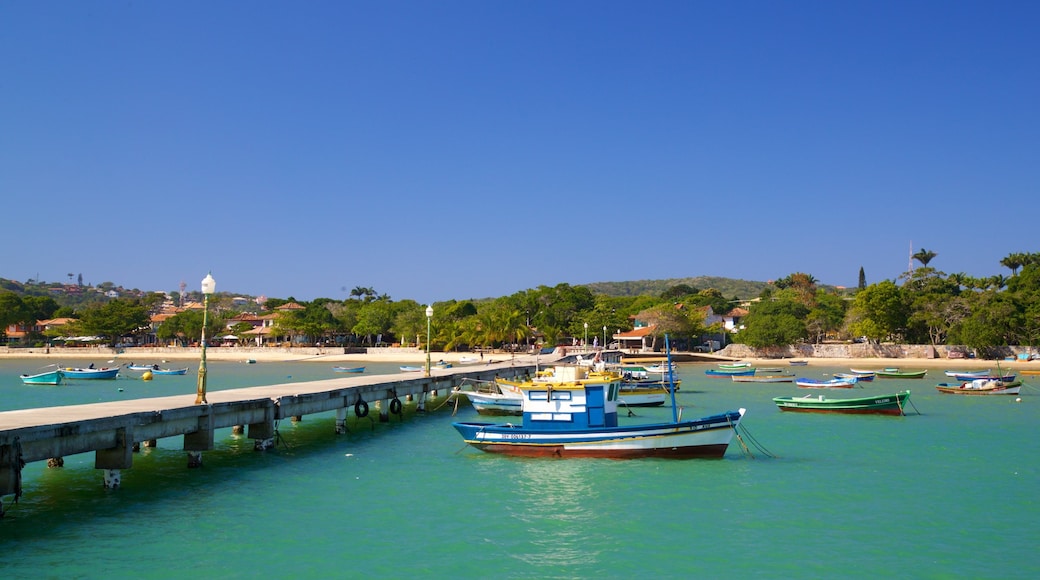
column 671, row 379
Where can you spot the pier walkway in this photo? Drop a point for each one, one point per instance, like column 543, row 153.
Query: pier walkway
column 113, row 430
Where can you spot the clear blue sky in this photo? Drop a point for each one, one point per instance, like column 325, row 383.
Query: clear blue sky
column 457, row 149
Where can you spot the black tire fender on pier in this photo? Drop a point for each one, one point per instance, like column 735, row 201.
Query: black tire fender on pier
column 395, row 406
column 361, row 408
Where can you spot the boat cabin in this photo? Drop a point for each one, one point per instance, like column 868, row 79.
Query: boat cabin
column 574, row 398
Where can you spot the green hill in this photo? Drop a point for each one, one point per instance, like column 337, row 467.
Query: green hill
column 729, row 287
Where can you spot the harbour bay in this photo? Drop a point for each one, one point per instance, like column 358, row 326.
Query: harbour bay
column 945, row 493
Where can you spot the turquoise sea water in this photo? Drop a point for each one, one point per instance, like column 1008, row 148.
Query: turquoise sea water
column 948, row 493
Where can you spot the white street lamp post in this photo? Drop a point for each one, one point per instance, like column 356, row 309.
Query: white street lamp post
column 209, row 285
column 429, row 315
column 585, row 346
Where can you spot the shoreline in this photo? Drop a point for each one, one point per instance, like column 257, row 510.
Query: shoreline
column 310, row 354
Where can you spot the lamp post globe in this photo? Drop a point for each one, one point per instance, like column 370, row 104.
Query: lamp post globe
column 429, row 316
column 209, row 286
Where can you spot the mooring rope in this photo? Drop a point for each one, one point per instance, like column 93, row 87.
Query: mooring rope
column 758, row 445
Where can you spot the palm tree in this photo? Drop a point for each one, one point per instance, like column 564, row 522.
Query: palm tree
column 924, row 256
column 1013, row 262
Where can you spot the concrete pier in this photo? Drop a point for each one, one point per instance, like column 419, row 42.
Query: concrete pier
column 112, row 430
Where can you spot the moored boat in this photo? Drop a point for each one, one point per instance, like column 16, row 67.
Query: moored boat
column 53, row 377
column 877, row 405
column 955, row 374
column 987, row 377
column 729, row 372
column 1030, row 371
column 411, row 369
column 644, row 394
column 736, row 365
column 89, row 373
column 980, row 387
column 348, row 369
column 860, row 377
column 575, row 415
column 763, row 379
column 798, row 363
column 894, row 373
column 492, row 398
column 807, row 383
column 182, row 371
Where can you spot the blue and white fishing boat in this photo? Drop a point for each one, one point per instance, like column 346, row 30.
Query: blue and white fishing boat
column 846, row 383
column 575, row 415
column 89, row 373
column 182, row 371
column 355, row 370
column 53, row 377
column 860, row 377
column 986, row 376
column 411, row 369
column 730, row 372
column 957, row 374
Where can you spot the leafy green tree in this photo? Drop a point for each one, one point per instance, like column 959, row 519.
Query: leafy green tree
column 374, row 318
column 774, row 323
column 186, row 327
column 12, row 311
column 827, row 316
column 878, row 311
column 674, row 321
column 115, row 319
column 410, row 322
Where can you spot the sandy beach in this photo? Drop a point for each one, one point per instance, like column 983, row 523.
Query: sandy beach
column 407, row 355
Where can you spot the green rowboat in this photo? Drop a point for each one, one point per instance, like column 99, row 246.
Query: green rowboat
column 899, row 374
column 877, row 405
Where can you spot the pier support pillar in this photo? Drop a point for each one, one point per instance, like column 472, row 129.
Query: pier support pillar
column 150, row 443
column 341, row 421
column 384, row 411
column 11, row 464
column 113, row 477
column 199, row 441
column 262, row 433
column 238, row 430
column 119, row 456
column 420, row 407
column 56, row 462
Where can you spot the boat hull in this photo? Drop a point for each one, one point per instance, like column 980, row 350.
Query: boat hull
column 764, row 379
column 730, row 373
column 708, row 437
column 900, row 374
column 49, row 378
column 831, row 384
column 107, row 373
column 494, row 403
column 183, row 371
column 349, row 369
column 962, row 389
column 878, row 405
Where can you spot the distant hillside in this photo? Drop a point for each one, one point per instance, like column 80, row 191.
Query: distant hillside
column 729, row 287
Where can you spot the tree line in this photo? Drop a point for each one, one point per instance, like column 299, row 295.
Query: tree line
column 924, row 306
